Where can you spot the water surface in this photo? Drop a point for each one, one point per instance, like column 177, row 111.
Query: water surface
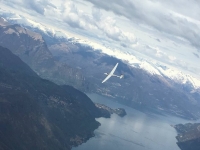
column 135, row 131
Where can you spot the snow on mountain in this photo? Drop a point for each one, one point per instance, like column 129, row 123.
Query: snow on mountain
column 148, row 67
column 29, row 23
column 180, row 77
column 154, row 68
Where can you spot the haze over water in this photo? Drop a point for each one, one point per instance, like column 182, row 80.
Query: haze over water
column 135, row 131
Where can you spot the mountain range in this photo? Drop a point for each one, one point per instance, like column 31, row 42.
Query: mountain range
column 32, row 49
column 67, row 61
column 137, row 61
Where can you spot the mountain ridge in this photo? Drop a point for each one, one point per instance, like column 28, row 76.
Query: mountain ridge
column 38, row 114
column 133, row 61
column 140, row 88
column 32, row 49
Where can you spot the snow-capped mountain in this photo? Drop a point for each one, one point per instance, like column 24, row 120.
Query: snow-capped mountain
column 135, row 59
column 146, row 83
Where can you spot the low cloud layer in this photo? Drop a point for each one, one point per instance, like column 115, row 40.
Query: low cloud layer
column 36, row 5
column 95, row 22
column 170, row 17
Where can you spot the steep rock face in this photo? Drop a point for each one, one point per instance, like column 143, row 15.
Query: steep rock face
column 32, row 49
column 38, row 114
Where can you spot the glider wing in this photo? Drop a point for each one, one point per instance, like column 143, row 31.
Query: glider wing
column 110, row 74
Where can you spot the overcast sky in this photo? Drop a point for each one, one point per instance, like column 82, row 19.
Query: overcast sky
column 166, row 31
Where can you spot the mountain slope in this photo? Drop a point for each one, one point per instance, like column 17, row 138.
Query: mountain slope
column 32, row 49
column 188, row 136
column 138, row 88
column 38, row 114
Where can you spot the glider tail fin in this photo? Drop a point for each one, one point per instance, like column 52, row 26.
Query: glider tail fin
column 121, row 76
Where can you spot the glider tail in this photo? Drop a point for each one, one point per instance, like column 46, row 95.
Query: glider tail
column 121, row 76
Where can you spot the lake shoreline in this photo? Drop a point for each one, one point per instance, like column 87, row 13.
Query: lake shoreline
column 133, row 130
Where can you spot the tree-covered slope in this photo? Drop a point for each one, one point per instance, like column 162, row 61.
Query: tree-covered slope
column 38, row 114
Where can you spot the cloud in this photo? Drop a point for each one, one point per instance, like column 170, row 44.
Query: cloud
column 109, row 27
column 95, row 22
column 76, row 18
column 160, row 15
column 36, row 5
column 39, row 5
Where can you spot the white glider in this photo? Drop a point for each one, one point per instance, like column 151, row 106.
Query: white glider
column 112, row 74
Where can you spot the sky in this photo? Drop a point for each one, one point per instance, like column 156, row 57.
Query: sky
column 158, row 31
